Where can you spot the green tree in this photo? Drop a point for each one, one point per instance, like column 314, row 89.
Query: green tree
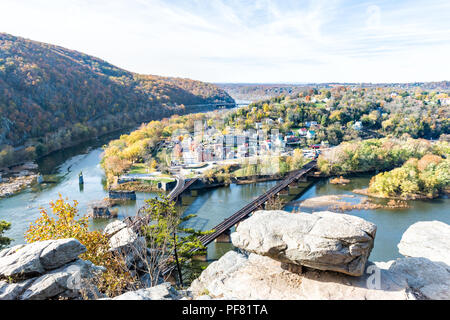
column 4, row 241
column 173, row 244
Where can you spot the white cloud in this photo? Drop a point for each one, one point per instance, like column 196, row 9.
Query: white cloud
column 374, row 17
column 247, row 41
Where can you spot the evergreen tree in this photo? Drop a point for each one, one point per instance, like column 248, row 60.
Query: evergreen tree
column 170, row 240
column 4, row 241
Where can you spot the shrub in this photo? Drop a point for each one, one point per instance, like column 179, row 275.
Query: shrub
column 427, row 160
column 428, row 177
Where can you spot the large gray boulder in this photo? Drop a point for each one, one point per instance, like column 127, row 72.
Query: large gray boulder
column 161, row 292
column 211, row 280
column 45, row 270
column 322, row 240
column 69, row 281
column 11, row 291
column 8, row 251
column 37, row 258
column 429, row 279
column 428, row 239
column 236, row 276
column 126, row 242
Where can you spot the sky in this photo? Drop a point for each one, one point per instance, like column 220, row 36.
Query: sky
column 243, row 41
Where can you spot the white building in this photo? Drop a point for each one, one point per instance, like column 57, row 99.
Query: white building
column 311, row 123
column 445, row 102
column 310, row 134
column 269, row 121
column 358, row 125
column 188, row 157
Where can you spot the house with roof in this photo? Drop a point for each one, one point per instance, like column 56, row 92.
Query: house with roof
column 302, row 132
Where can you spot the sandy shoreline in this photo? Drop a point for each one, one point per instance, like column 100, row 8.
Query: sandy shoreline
column 340, row 203
column 13, row 185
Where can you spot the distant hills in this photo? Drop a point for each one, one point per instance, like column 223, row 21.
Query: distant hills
column 256, row 91
column 51, row 97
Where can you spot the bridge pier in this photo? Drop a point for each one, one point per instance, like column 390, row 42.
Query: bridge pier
column 224, row 237
column 294, row 190
column 200, row 257
column 284, row 194
column 187, row 200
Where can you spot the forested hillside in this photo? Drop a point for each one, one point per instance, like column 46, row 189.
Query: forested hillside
column 52, row 97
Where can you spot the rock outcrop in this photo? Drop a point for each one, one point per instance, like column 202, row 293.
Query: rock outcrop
column 322, row 240
column 45, row 270
column 126, row 242
column 427, row 279
column 281, row 243
column 236, row 276
column 160, row 292
column 426, row 245
column 428, row 239
column 26, row 261
column 139, row 259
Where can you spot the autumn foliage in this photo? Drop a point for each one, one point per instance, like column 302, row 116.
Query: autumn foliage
column 63, row 223
column 52, row 97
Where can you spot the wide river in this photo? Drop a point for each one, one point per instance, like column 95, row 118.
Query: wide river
column 211, row 206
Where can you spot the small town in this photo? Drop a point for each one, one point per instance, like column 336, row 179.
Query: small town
column 210, row 145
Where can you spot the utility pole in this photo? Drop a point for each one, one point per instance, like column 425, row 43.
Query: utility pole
column 176, row 259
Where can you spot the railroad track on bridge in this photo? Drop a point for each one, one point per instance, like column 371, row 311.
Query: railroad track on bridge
column 140, row 220
column 257, row 203
column 251, row 207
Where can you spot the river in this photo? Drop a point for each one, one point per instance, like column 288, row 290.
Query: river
column 211, row 206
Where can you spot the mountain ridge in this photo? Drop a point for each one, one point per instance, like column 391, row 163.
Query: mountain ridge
column 51, row 96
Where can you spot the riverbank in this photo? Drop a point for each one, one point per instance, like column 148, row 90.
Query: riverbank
column 14, row 185
column 15, row 179
column 407, row 197
column 343, row 203
column 138, row 186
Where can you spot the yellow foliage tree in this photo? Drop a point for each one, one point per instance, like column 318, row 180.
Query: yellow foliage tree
column 63, row 224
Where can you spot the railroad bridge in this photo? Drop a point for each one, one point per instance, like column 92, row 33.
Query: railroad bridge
column 289, row 184
column 222, row 231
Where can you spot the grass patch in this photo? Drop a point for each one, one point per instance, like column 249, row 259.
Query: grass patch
column 139, row 168
column 239, row 173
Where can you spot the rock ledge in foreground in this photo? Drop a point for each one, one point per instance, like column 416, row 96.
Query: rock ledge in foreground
column 322, row 240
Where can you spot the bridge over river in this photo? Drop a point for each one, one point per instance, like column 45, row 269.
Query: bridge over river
column 257, row 204
column 222, row 230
